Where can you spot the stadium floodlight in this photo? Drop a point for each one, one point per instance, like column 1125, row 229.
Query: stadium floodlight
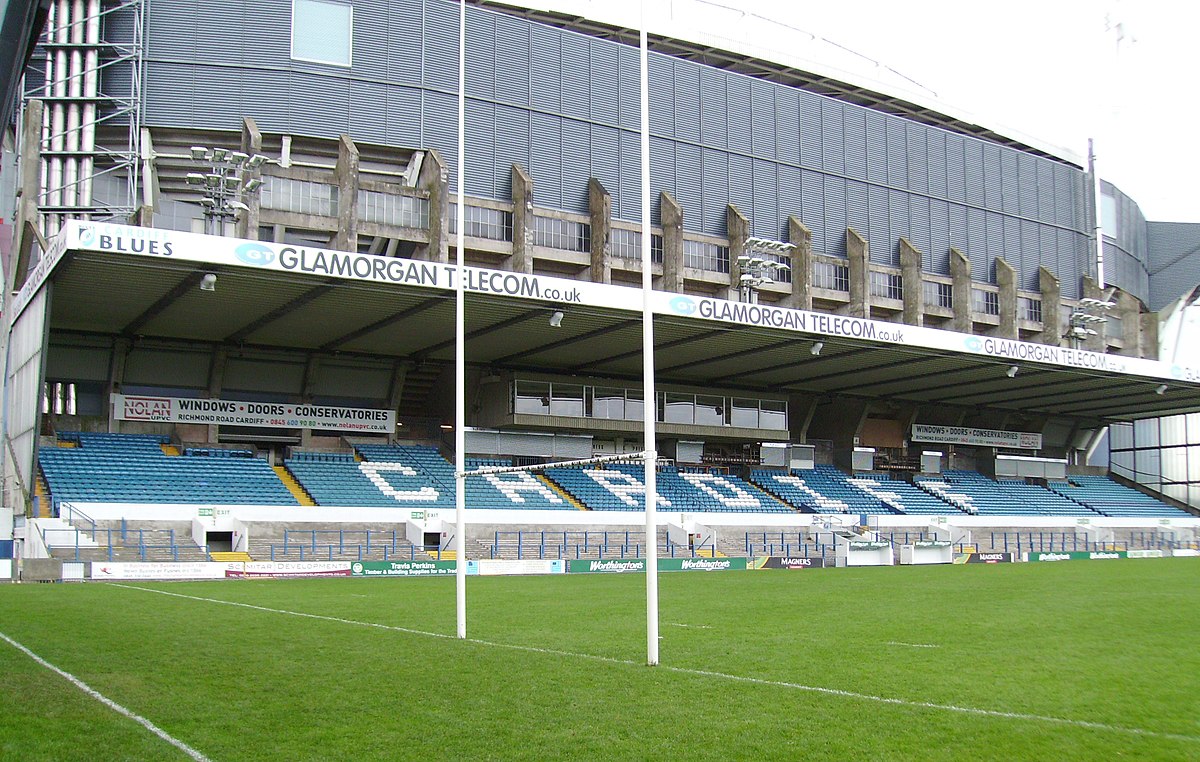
column 816, row 348
column 199, row 153
column 224, row 184
column 194, row 178
column 760, row 262
column 1012, row 371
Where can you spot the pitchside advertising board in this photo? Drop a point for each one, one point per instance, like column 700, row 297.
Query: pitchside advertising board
column 983, row 558
column 785, row 562
column 619, row 565
column 241, row 413
column 352, row 266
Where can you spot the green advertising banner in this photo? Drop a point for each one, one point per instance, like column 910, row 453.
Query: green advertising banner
column 610, row 565
column 1078, row 555
column 401, row 568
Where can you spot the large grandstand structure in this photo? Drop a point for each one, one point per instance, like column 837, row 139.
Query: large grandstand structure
column 231, row 313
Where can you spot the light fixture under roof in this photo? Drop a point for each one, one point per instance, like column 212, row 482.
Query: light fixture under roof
column 1012, row 371
column 556, row 319
column 208, row 282
column 816, row 348
column 1162, row 389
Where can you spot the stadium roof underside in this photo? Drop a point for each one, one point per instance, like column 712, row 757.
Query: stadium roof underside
column 113, row 295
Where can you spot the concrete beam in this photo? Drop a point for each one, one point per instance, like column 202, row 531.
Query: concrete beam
column 1006, row 278
column 960, row 274
column 252, row 143
column 914, row 287
column 737, row 229
column 25, row 223
column 860, row 274
column 671, row 215
column 1129, row 310
column 522, row 200
column 600, row 216
column 802, row 265
column 346, row 176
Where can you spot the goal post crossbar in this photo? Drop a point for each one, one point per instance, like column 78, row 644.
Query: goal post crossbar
column 631, row 457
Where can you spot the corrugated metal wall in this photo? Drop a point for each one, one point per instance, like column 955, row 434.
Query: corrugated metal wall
column 566, row 107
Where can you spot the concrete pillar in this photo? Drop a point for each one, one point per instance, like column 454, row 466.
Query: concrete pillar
column 252, row 142
column 960, row 274
column 671, row 215
column 346, row 176
column 1128, row 309
column 801, row 409
column 860, row 274
column 802, row 265
column 143, row 213
column 600, row 216
column 914, row 287
column 1149, row 343
column 433, row 180
column 1052, row 325
column 216, row 382
column 396, row 392
column 522, row 199
column 737, row 228
column 1006, row 278
column 118, row 356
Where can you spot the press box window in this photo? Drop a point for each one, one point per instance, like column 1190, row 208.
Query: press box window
column 321, row 31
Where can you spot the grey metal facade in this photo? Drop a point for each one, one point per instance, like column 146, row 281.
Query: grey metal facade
column 565, row 106
column 1174, row 264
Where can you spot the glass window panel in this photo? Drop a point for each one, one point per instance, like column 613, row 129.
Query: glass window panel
column 321, row 31
column 1121, row 436
column 1173, row 430
column 773, row 415
column 532, row 397
column 608, row 403
column 635, row 409
column 1147, row 464
column 1145, row 433
column 678, row 408
column 566, row 399
column 1193, row 465
column 710, row 411
column 745, row 413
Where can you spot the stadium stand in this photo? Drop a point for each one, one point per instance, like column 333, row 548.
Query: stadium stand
column 824, row 489
column 976, row 493
column 133, row 468
column 902, row 497
column 1108, row 498
column 620, row 488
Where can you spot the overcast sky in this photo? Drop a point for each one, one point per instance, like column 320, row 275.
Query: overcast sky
column 1049, row 69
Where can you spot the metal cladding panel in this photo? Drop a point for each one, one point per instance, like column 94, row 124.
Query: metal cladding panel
column 605, row 160
column 577, row 147
column 918, row 225
column 660, row 78
column 812, row 189
column 1010, row 231
column 791, row 197
column 481, row 54
column 1067, row 184
column 981, row 266
column 686, row 85
column 713, row 116
column 1010, row 195
column 512, row 143
column 1072, row 263
column 762, row 119
column 973, row 160
column 441, row 47
column 689, row 181
column 994, row 224
column 545, row 69
column 368, row 117
column 833, row 147
column 956, row 168
column 318, row 105
column 878, row 216
column 855, row 134
column 937, row 259
column 936, row 145
column 741, row 183
column 992, row 170
column 163, row 367
column 835, row 216
column 810, row 131
column 603, row 69
column 897, row 154
column 162, row 37
column 1047, row 203
column 440, row 127
column 1027, row 183
column 877, row 148
column 738, row 113
column 576, row 79
column 765, row 217
column 958, row 227
column 629, row 76
column 545, row 160
column 512, row 61
column 403, row 116
column 170, row 93
column 274, row 375
column 787, row 127
column 1047, row 248
column 715, row 171
column 368, row 60
column 898, row 219
column 481, row 159
column 405, row 30
column 627, row 197
column 918, row 159
column 662, row 176
column 857, row 217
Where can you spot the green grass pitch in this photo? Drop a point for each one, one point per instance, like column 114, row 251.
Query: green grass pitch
column 1078, row 660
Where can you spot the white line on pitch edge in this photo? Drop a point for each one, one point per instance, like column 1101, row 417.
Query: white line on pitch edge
column 147, row 724
column 911, row 645
column 1087, row 724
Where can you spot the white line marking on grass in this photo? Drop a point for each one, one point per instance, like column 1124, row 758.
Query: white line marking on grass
column 147, row 724
column 1049, row 719
column 911, row 645
column 692, row 626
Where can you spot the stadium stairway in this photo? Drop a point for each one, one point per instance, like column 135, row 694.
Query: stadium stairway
column 225, row 556
column 42, row 493
column 293, row 486
column 571, row 499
